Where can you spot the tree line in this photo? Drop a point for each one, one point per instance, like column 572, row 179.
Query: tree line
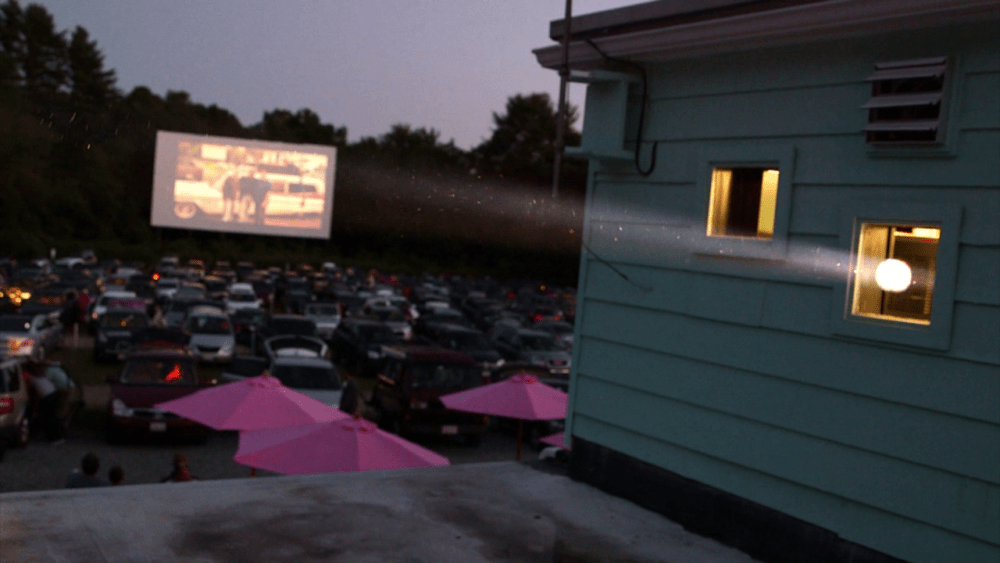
column 76, row 169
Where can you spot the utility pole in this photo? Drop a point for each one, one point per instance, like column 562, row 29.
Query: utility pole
column 561, row 111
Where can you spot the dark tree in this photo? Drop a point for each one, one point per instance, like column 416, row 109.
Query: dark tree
column 43, row 60
column 523, row 141
column 91, row 86
column 303, row 126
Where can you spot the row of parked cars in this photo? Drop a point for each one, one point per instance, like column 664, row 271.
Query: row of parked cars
column 416, row 337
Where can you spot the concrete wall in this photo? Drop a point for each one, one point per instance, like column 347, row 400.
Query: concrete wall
column 739, row 372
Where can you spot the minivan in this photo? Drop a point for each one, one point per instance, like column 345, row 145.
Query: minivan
column 410, row 383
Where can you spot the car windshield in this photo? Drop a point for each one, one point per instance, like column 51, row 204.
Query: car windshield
column 207, row 324
column 444, row 376
column 323, row 310
column 158, row 371
column 388, row 315
column 249, row 316
column 123, row 320
column 15, row 324
column 540, row 343
column 467, row 341
column 307, row 377
column 379, row 334
column 302, row 327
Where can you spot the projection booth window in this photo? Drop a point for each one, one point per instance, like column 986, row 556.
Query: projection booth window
column 747, row 195
column 894, row 272
column 900, row 283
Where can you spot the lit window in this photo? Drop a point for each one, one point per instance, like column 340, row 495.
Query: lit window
column 894, row 277
column 743, row 202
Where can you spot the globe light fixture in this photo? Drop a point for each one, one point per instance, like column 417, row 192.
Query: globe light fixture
column 893, row 276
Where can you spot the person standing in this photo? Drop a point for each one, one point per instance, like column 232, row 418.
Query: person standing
column 181, row 472
column 349, row 398
column 229, row 191
column 48, row 403
column 116, row 475
column 88, row 478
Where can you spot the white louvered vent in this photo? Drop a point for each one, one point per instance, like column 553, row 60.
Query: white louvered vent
column 906, row 102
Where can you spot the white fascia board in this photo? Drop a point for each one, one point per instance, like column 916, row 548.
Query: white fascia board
column 785, row 26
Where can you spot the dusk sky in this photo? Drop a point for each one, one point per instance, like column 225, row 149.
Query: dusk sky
column 364, row 64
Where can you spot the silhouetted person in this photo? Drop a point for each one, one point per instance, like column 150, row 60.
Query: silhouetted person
column 349, row 398
column 88, row 478
column 116, row 475
column 257, row 188
column 181, row 472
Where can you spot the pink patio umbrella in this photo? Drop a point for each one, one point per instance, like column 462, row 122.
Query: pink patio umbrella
column 330, row 447
column 521, row 396
column 558, row 440
column 255, row 402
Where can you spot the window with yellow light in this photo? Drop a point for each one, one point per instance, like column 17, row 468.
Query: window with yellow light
column 742, row 202
column 894, row 273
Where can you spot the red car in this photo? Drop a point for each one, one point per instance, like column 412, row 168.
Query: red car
column 151, row 376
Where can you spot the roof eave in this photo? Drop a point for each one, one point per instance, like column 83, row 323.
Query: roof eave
column 786, row 26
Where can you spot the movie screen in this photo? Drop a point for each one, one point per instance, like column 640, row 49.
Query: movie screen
column 242, row 186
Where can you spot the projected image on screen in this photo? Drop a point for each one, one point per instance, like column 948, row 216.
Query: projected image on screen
column 236, row 185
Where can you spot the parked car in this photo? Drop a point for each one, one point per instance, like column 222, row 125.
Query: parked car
column 116, row 332
column 410, row 383
column 357, row 344
column 466, row 340
column 247, row 324
column 212, row 337
column 392, row 318
column 533, row 347
column 31, row 336
column 315, row 376
column 15, row 423
column 241, row 296
column 562, row 331
column 326, row 316
column 113, row 298
column 148, row 377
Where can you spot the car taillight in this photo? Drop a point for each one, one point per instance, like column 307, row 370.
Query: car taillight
column 6, row 405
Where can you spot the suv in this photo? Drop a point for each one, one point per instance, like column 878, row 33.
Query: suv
column 150, row 376
column 15, row 427
column 410, row 383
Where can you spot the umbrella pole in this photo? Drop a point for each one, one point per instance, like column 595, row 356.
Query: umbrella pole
column 253, row 471
column 520, row 433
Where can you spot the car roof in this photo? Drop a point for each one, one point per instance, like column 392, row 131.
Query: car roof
column 422, row 352
column 207, row 310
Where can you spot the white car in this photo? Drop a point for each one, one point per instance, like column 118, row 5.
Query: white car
column 212, row 336
column 166, row 288
column 327, row 317
column 241, row 296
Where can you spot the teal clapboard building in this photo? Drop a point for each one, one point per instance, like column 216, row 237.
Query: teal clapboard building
column 788, row 331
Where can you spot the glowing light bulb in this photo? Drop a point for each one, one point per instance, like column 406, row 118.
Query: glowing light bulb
column 893, row 276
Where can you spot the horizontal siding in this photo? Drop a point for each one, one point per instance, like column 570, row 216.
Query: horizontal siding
column 902, row 537
column 860, row 476
column 932, row 382
column 766, row 298
column 979, row 106
column 815, row 208
column 911, row 434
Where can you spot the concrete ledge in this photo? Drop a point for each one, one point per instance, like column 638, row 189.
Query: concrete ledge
column 503, row 511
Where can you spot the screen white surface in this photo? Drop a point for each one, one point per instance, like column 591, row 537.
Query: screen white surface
column 242, row 186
